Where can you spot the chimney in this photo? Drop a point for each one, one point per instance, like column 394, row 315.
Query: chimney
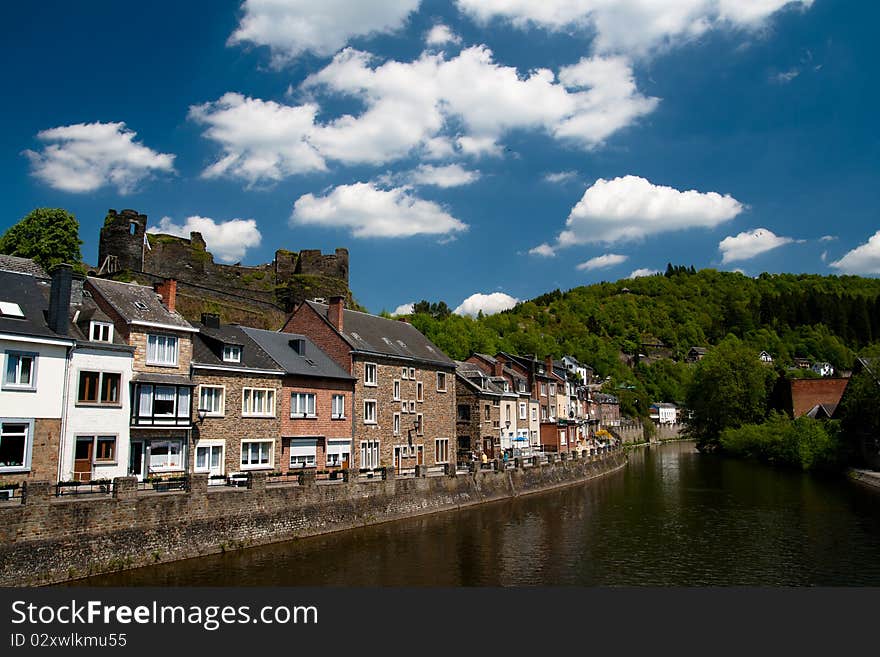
column 211, row 320
column 548, row 363
column 334, row 312
column 59, row 299
column 498, row 367
column 167, row 289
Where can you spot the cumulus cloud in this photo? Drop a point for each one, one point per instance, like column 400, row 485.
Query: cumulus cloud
column 544, row 250
column 262, row 141
column 560, row 176
column 602, row 262
column 634, row 27
column 227, row 240
column 368, row 211
column 293, row 27
column 638, row 273
column 404, row 309
column 440, row 35
column 749, row 244
column 632, row 208
column 864, row 259
column 87, row 156
column 488, row 303
column 452, row 175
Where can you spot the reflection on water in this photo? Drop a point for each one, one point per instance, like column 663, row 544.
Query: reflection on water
column 671, row 517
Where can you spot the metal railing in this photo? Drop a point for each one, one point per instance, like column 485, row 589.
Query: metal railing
column 163, row 484
column 96, row 487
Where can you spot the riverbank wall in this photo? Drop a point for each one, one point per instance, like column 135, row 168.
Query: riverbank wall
column 46, row 539
column 634, row 432
column 865, row 477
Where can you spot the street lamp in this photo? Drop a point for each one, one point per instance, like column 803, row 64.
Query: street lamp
column 507, row 427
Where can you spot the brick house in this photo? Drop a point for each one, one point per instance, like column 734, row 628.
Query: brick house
column 238, row 388
column 161, row 391
column 404, row 396
column 315, row 403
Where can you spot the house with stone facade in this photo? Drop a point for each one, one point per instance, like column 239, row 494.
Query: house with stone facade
column 315, row 403
column 238, row 392
column 404, row 405
column 478, row 413
column 162, row 387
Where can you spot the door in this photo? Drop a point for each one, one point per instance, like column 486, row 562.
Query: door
column 488, row 448
column 136, row 459
column 397, row 460
column 420, row 455
column 82, row 459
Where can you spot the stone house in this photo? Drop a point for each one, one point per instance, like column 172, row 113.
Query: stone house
column 404, row 397
column 316, row 403
column 478, row 412
column 161, row 390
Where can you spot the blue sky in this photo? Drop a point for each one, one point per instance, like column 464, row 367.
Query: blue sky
column 498, row 148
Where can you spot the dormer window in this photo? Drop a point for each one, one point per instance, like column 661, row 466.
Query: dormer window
column 10, row 309
column 101, row 332
column 231, row 353
column 140, row 305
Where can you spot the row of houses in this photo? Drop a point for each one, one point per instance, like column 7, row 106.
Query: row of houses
column 104, row 379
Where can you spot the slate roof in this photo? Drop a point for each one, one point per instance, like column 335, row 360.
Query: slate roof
column 516, row 376
column 604, row 398
column 21, row 266
column 386, row 337
column 31, row 294
column 313, row 362
column 208, row 348
column 123, row 297
column 474, row 377
column 81, row 317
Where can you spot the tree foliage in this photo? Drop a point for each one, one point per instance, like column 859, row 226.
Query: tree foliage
column 49, row 236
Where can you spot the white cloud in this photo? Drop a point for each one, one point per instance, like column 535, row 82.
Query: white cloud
column 560, row 176
column 638, row 273
column 490, row 304
column 632, row 208
column 749, row 244
column 262, row 141
column 368, row 211
column 786, row 76
column 452, row 175
column 864, row 259
column 404, row 309
column 87, row 156
column 636, row 27
column 543, row 250
column 824, row 256
column 602, row 262
column 227, row 240
column 827, row 238
column 440, row 35
column 292, row 27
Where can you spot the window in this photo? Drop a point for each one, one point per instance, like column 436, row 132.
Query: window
column 543, row 412
column 369, row 411
column 552, row 388
column 302, row 404
column 370, row 377
column 412, row 406
column 488, row 411
column 420, row 425
column 396, row 389
column 338, row 452
column 396, row 425
column 162, row 350
column 369, row 453
column 522, row 386
column 15, row 445
column 303, row 452
column 543, row 389
column 441, row 381
column 10, row 309
column 258, row 402
column 441, row 450
column 412, row 373
column 98, row 388
column 534, row 413
column 231, row 353
column 338, row 407
column 507, row 412
column 21, row 370
column 101, row 332
column 464, row 413
column 420, row 392
column 523, row 412
column 161, row 405
column 166, row 455
column 552, row 411
column 256, row 454
column 403, row 372
column 404, row 407
column 209, row 458
column 211, row 400
column 496, row 402
column 105, row 449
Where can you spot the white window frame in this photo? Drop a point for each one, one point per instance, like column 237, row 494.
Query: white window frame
column 170, row 342
column 441, row 376
column 259, row 465
column 420, row 421
column 396, row 390
column 211, row 413
column 15, row 383
column 100, row 328
column 369, row 454
column 412, row 406
column 270, row 394
column 375, row 413
column 231, row 353
column 209, row 445
column 340, row 413
column 543, row 389
column 395, row 430
column 403, row 373
column 299, row 405
column 552, row 388
column 167, row 468
column 404, row 406
column 441, row 448
column 420, row 392
column 523, row 411
column 309, row 457
column 28, row 448
column 374, row 380
column 412, row 373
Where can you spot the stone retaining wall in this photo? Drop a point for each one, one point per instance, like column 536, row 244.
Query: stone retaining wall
column 45, row 539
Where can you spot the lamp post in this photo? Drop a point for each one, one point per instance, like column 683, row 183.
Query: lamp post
column 507, row 428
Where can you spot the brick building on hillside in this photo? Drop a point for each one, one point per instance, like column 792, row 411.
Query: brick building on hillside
column 798, row 397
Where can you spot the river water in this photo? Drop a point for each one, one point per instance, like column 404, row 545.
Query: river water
column 671, row 517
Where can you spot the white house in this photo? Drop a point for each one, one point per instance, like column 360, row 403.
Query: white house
column 664, row 413
column 825, row 369
column 764, row 357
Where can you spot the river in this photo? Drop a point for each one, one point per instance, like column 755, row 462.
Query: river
column 671, row 517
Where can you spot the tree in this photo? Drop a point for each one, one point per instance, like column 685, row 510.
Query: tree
column 49, row 236
column 729, row 388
